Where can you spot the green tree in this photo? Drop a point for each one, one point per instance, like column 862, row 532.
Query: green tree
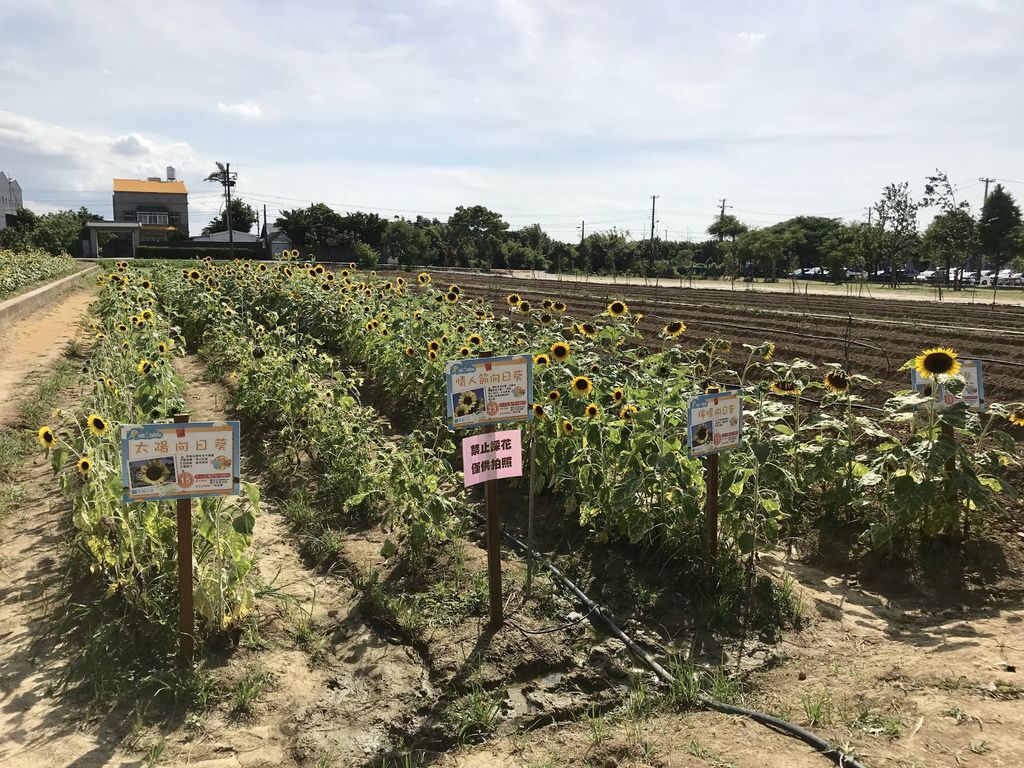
column 476, row 234
column 406, row 242
column 727, row 226
column 950, row 241
column 561, row 256
column 55, row 232
column 1000, row 216
column 243, row 217
column 805, row 237
column 365, row 255
column 897, row 222
column 318, row 226
column 366, row 227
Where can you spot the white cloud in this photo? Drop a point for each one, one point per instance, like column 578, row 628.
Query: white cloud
column 316, row 98
column 247, row 110
column 751, row 37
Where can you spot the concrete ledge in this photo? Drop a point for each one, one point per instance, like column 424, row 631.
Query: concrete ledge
column 12, row 310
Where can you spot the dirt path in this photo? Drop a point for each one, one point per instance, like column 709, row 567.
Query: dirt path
column 34, row 341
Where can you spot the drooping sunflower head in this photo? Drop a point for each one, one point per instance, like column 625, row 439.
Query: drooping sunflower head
column 937, row 361
column 581, row 386
column 566, row 427
column 547, row 303
column 83, row 465
column 554, row 396
column 1017, row 417
column 837, row 381
column 560, row 351
column 617, row 394
column 144, row 367
column 524, row 307
column 617, row 308
column 593, row 411
column 513, row 299
column 674, row 329
column 786, row 387
column 423, row 278
column 627, row 412
column 587, row 329
column 769, row 350
column 558, row 306
column 541, row 359
column 46, row 437
column 97, row 424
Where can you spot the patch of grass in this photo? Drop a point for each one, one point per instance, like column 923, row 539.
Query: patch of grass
column 401, row 612
column 957, row 714
column 248, row 690
column 818, row 708
column 871, row 721
column 308, row 636
column 475, row 715
column 691, row 682
column 597, row 727
column 701, row 752
column 156, row 751
column 980, row 747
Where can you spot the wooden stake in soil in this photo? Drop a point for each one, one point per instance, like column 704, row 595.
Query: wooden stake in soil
column 186, row 611
column 711, row 512
column 497, row 617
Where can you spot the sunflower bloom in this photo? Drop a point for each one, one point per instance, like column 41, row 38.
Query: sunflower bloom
column 587, row 329
column 83, row 465
column 627, row 412
column 46, row 437
column 566, row 427
column 97, row 424
column 937, row 361
column 581, row 386
column 554, row 395
column 560, row 351
column 541, row 359
column 513, row 299
column 475, row 340
column 617, row 394
column 674, row 329
column 617, row 308
column 786, row 388
column 538, row 410
column 769, row 351
column 1017, row 417
column 593, row 411
column 836, row 381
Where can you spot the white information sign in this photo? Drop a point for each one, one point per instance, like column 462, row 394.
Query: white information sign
column 489, row 390
column 715, row 423
column 974, row 387
column 180, row 460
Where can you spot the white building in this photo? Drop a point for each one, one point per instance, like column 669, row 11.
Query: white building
column 10, row 198
column 222, row 237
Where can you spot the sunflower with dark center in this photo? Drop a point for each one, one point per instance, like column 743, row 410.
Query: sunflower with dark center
column 617, row 308
column 566, row 427
column 468, row 399
column 701, row 434
column 434, row 345
column 581, row 386
column 938, row 361
column 147, row 285
column 627, row 412
column 431, row 355
column 464, row 351
column 122, row 327
column 97, row 425
column 836, row 381
column 475, row 340
column 194, row 275
column 1017, row 417
column 554, row 395
column 593, row 411
column 454, row 289
column 83, row 465
column 618, row 394
column 258, row 353
column 144, row 367
column 153, row 472
column 587, row 329
column 786, row 388
column 451, row 297
column 538, row 410
column 423, row 278
column 524, row 307
column 541, row 359
column 560, row 351
column 674, row 329
column 559, row 307
column 46, row 437
column 544, row 318
column 513, row 299
column 162, row 348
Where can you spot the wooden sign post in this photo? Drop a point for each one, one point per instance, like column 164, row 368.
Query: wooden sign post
column 186, row 609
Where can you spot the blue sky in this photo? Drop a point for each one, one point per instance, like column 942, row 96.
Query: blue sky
column 546, row 110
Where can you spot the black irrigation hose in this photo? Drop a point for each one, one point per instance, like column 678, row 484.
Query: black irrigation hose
column 822, row 746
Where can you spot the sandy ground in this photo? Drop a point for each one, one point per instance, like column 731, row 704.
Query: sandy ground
column 38, row 339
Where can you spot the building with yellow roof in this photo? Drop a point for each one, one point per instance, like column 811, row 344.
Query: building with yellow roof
column 159, row 205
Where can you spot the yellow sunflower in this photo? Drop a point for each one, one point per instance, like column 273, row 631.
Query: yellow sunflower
column 786, row 388
column 513, row 299
column 434, row 345
column 410, row 352
column 560, row 351
column 836, row 381
column 1017, row 417
column 97, row 425
column 83, row 465
column 538, row 410
column 475, row 340
column 593, row 411
column 144, row 367
column 617, row 308
column 627, row 412
column 451, row 297
column 587, row 329
column 554, row 395
column 524, row 307
column 581, row 386
column 153, row 472
column 937, row 361
column 674, row 329
column 431, row 355
column 566, row 426
column 46, row 437
column 423, row 278
column 769, row 351
column 618, row 394
column 541, row 359
column 559, row 306
column 464, row 351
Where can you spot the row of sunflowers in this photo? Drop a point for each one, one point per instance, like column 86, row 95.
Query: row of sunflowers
column 22, row 268
column 609, row 432
column 128, row 550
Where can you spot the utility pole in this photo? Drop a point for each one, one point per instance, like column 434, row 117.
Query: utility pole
column 721, row 216
column 987, row 181
column 869, row 209
column 653, row 199
column 227, row 191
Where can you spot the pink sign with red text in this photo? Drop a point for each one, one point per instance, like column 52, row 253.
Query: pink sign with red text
column 492, row 456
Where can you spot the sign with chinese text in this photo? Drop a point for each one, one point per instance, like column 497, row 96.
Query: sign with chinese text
column 179, row 461
column 489, row 390
column 492, row 456
column 974, row 387
column 714, row 423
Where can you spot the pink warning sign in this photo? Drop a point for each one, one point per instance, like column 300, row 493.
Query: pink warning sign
column 492, row 456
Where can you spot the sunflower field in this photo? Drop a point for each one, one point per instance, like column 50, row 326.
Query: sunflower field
column 127, row 551
column 19, row 269
column 304, row 345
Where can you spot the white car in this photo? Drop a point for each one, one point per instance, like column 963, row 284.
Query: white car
column 926, row 276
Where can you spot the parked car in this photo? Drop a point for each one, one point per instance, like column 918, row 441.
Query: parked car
column 925, row 276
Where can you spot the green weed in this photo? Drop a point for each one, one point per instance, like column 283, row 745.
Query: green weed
column 475, row 714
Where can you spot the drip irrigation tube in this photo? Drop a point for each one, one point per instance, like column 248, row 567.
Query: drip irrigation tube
column 593, row 609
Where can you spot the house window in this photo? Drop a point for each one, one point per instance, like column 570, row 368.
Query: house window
column 174, row 219
column 153, row 218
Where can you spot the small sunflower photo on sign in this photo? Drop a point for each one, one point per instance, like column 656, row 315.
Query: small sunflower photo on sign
column 153, row 473
column 468, row 402
column 700, row 434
